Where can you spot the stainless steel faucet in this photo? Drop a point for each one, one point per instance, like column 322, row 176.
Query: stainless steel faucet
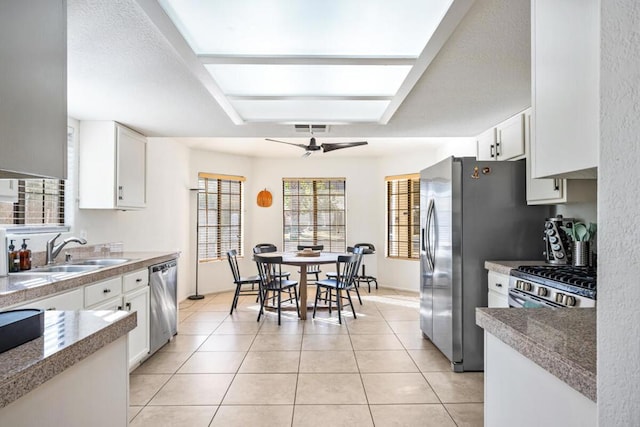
column 53, row 250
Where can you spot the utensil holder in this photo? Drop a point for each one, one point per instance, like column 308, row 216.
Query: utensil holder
column 580, row 254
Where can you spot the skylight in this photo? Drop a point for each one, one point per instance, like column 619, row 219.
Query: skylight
column 333, row 61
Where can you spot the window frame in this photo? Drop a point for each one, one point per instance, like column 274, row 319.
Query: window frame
column 394, row 247
column 340, row 244
column 19, row 208
column 219, row 253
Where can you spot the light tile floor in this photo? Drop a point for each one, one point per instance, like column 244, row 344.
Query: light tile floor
column 229, row 370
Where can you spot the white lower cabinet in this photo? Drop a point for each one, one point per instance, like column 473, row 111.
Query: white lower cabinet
column 498, row 290
column 139, row 337
column 518, row 392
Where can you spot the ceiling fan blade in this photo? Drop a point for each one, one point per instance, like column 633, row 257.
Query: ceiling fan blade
column 339, row 145
column 288, row 143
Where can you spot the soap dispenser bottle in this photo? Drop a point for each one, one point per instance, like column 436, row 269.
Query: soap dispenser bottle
column 14, row 258
column 25, row 256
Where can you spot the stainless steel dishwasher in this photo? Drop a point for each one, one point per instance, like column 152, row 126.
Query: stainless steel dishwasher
column 163, row 280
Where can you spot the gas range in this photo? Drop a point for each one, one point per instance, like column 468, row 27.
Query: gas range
column 552, row 286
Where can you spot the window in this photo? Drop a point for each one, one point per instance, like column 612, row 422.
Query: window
column 314, row 213
column 39, row 202
column 403, row 216
column 219, row 215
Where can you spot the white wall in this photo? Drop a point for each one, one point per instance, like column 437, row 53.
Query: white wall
column 619, row 222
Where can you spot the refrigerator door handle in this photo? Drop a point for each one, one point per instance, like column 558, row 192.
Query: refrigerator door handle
column 429, row 247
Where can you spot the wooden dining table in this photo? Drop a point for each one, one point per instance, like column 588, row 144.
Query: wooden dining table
column 292, row 258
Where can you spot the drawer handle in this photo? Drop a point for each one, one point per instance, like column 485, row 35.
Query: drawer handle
column 138, row 280
column 51, row 309
column 498, row 285
column 106, row 290
column 119, row 307
column 128, row 305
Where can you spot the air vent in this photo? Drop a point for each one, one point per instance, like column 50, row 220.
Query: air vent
column 311, row 129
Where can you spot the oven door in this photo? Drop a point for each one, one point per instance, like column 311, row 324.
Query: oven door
column 517, row 298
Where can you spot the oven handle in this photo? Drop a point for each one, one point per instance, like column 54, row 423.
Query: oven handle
column 516, row 300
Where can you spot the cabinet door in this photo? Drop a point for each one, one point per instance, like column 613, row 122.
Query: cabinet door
column 511, row 138
column 496, row 300
column 541, row 190
column 72, row 300
column 131, row 152
column 8, row 190
column 565, row 48
column 138, row 337
column 487, row 145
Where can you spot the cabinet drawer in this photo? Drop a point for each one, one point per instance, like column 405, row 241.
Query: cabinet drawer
column 137, row 279
column 102, row 291
column 498, row 283
column 71, row 300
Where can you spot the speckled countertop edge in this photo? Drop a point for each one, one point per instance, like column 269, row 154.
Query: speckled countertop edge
column 578, row 372
column 30, row 377
column 505, row 267
column 139, row 260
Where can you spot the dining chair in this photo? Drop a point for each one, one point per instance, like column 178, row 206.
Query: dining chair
column 265, row 248
column 368, row 249
column 315, row 268
column 346, row 271
column 333, row 275
column 241, row 281
column 272, row 281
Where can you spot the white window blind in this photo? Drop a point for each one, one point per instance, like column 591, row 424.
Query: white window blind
column 40, row 202
column 403, row 216
column 220, row 220
column 314, row 213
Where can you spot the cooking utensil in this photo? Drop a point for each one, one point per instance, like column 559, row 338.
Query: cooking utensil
column 580, row 232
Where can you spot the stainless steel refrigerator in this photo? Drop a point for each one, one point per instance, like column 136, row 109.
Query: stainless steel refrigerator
column 470, row 211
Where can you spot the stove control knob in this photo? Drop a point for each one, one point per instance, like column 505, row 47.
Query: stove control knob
column 560, row 255
column 553, row 239
column 526, row 286
column 559, row 297
column 548, row 225
column 555, row 247
column 569, row 300
column 550, row 232
column 543, row 292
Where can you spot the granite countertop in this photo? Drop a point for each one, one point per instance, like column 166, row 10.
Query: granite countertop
column 561, row 341
column 69, row 337
column 17, row 288
column 505, row 267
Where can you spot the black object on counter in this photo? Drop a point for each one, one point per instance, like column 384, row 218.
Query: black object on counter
column 20, row 326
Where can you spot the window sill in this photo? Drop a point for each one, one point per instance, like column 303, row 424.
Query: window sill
column 36, row 229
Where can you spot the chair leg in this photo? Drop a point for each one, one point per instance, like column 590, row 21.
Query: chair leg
column 358, row 293
column 329, row 297
column 338, row 298
column 264, row 299
column 315, row 303
column 295, row 295
column 235, row 299
column 351, row 304
column 279, row 305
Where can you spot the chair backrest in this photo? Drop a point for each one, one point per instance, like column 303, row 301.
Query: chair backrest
column 269, row 269
column 347, row 268
column 233, row 263
column 312, row 247
column 263, row 248
column 368, row 247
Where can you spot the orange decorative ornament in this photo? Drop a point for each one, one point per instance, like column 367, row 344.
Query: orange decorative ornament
column 264, row 198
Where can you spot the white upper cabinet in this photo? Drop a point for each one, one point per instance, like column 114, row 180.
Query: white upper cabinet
column 504, row 141
column 112, row 166
column 547, row 191
column 565, row 88
column 33, row 88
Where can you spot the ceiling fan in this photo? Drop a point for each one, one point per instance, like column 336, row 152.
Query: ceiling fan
column 326, row 147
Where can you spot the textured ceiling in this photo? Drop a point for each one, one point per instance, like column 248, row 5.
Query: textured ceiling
column 122, row 68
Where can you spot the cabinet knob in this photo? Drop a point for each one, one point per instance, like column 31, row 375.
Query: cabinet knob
column 106, row 290
column 138, row 280
column 498, row 285
column 128, row 305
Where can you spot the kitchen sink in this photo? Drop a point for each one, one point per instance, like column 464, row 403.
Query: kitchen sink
column 101, row 262
column 65, row 269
